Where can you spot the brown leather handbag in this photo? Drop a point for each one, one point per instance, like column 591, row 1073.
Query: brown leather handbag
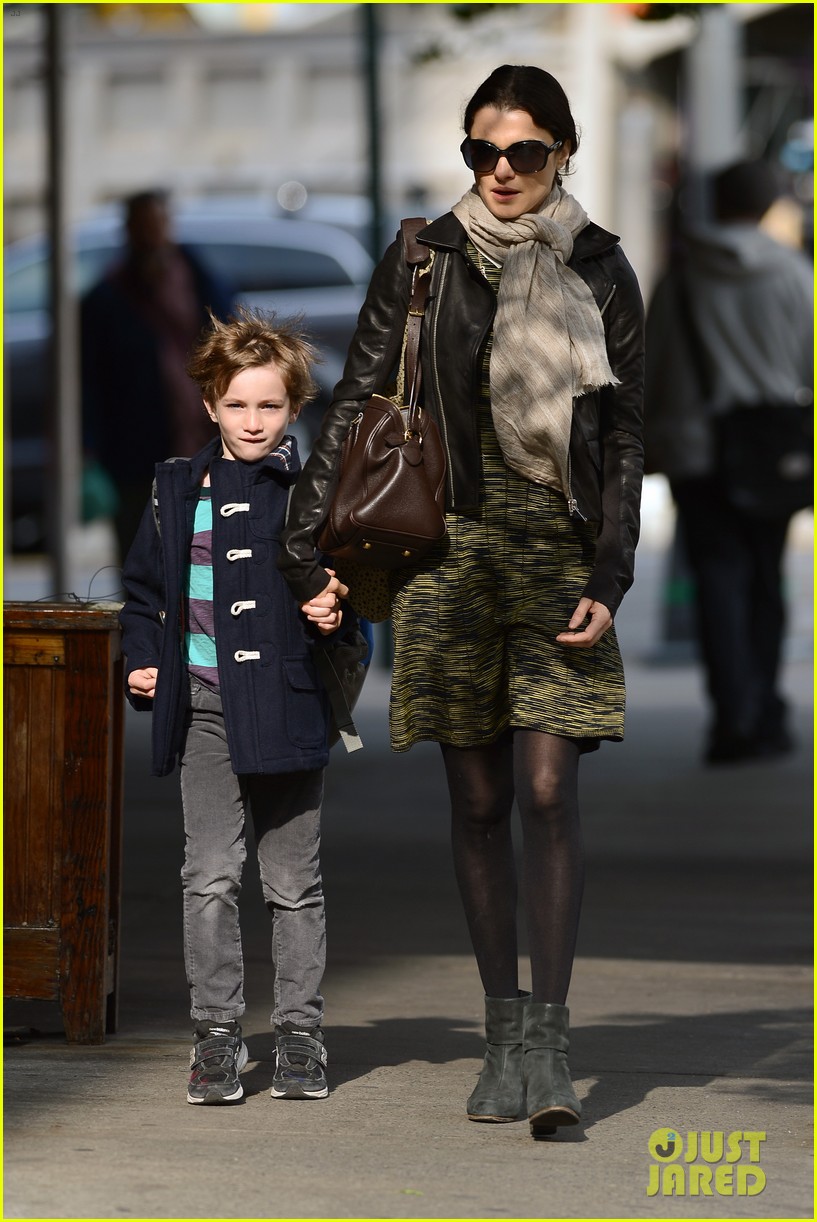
column 389, row 505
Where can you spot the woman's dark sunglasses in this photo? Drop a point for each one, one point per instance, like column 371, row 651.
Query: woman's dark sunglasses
column 525, row 157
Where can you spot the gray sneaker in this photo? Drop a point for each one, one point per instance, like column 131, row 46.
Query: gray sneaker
column 216, row 1059
column 300, row 1059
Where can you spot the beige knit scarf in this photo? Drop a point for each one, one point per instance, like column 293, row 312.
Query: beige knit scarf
column 548, row 344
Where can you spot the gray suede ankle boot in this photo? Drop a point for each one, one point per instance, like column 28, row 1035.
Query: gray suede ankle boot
column 551, row 1099
column 498, row 1095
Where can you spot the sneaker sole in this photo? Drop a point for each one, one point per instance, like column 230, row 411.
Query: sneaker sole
column 293, row 1091
column 215, row 1098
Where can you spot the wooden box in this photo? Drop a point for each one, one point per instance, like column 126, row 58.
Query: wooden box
column 63, row 762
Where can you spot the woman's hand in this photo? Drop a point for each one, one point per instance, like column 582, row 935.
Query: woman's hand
column 143, row 682
column 586, row 637
column 324, row 609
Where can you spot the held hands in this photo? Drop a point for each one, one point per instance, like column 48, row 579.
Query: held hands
column 581, row 635
column 324, row 609
column 143, row 682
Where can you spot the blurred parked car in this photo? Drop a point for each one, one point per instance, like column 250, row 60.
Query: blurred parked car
column 289, row 266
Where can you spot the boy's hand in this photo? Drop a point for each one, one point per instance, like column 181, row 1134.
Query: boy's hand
column 324, row 609
column 143, row 682
column 584, row 637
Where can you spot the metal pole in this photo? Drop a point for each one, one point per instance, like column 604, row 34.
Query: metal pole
column 371, row 57
column 712, row 79
column 63, row 414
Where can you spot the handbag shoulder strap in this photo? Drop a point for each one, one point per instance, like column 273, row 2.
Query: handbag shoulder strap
column 415, row 252
column 419, row 258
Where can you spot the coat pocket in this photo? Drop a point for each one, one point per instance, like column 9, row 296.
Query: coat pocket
column 306, row 704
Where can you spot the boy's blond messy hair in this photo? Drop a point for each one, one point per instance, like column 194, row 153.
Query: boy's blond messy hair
column 247, row 339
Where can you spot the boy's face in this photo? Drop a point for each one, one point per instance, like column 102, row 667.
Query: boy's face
column 253, row 414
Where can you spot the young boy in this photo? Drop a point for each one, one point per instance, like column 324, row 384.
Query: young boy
column 217, row 648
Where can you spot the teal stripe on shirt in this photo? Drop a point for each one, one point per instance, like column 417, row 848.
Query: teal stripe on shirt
column 200, row 582
column 200, row 649
column 204, row 513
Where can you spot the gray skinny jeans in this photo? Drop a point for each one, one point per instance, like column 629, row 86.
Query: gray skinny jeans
column 286, row 810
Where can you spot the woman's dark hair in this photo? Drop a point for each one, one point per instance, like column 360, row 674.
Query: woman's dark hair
column 518, row 87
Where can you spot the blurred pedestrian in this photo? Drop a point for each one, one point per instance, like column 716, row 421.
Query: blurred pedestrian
column 505, row 652
column 217, row 650
column 139, row 324
column 728, row 408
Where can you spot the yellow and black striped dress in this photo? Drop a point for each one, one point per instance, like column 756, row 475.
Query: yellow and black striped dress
column 475, row 623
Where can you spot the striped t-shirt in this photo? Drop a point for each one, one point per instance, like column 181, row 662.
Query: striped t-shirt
column 199, row 639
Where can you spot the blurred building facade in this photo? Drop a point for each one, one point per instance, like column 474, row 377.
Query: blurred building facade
column 208, row 102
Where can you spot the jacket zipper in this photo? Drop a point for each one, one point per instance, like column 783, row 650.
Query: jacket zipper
column 608, row 299
column 572, row 503
column 443, row 274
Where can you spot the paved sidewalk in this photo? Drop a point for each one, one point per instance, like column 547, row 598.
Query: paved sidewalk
column 690, row 1004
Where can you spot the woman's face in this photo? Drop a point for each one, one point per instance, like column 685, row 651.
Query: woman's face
column 504, row 192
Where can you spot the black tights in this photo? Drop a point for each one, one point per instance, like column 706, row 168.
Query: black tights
column 541, row 771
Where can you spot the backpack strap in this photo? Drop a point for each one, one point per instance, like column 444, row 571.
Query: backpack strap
column 154, row 497
column 342, row 670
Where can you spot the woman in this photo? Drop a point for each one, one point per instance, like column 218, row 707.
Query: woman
column 504, row 648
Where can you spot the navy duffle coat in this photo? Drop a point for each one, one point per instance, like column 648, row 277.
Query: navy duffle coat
column 275, row 710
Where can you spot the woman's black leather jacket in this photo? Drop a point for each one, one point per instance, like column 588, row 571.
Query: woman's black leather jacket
column 606, row 452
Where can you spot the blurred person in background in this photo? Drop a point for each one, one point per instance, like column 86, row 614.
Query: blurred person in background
column 505, row 653
column 729, row 329
column 138, row 325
